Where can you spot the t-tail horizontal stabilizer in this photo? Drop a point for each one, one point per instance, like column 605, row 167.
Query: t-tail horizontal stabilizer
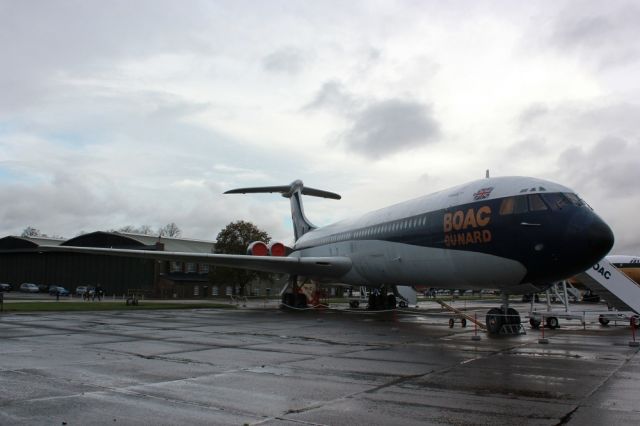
column 293, row 191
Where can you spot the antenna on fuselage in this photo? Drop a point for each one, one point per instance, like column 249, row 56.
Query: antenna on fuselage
column 486, row 176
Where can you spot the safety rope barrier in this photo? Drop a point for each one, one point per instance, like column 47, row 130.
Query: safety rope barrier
column 363, row 311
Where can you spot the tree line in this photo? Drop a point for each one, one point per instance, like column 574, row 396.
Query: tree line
column 170, row 230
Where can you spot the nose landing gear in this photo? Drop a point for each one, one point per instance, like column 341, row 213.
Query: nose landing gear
column 504, row 320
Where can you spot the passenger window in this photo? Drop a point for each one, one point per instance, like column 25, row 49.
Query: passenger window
column 535, row 203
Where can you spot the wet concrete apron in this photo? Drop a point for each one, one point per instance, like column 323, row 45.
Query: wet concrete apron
column 269, row 367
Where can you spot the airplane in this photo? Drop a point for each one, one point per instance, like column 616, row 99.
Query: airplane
column 516, row 234
column 629, row 265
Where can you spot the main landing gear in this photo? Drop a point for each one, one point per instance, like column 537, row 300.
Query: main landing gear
column 504, row 320
column 381, row 301
column 295, row 299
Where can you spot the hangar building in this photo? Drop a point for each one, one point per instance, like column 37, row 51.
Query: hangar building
column 20, row 261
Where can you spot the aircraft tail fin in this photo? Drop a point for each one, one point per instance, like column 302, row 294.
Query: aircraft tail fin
column 294, row 191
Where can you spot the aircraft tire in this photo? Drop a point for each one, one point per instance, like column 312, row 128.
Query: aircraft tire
column 513, row 316
column 495, row 319
column 451, row 322
column 534, row 323
column 287, row 300
column 603, row 321
column 463, row 322
column 391, row 301
column 552, row 323
column 373, row 305
column 301, row 300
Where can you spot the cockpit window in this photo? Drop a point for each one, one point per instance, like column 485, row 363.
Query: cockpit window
column 536, row 203
column 556, row 200
column 514, row 205
column 574, row 199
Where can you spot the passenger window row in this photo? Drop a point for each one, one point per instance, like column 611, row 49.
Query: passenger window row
column 379, row 230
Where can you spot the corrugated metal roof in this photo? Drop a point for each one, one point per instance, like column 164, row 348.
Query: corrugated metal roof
column 174, row 244
column 44, row 241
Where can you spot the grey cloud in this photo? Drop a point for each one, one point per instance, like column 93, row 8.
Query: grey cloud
column 526, row 149
column 391, row 126
column 607, row 32
column 334, row 97
column 43, row 41
column 288, row 60
column 53, row 204
column 532, row 114
column 611, row 166
column 377, row 128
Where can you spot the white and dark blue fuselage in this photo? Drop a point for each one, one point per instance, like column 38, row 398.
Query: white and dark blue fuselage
column 519, row 234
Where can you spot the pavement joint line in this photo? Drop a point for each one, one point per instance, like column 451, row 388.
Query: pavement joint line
column 126, row 391
column 470, row 411
column 393, row 382
column 130, row 337
column 582, row 403
column 302, row 422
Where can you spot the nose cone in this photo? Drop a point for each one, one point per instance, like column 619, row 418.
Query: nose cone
column 599, row 238
column 589, row 239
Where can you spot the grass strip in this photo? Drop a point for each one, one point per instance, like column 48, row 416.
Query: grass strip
column 105, row 306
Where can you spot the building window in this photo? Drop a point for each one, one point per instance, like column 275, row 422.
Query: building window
column 175, row 267
column 228, row 293
column 203, row 269
column 214, row 290
column 196, row 290
column 191, row 268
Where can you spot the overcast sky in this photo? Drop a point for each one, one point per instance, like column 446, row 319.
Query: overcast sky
column 117, row 113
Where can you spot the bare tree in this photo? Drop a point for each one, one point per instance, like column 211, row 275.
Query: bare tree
column 30, row 231
column 170, row 230
column 128, row 229
column 145, row 230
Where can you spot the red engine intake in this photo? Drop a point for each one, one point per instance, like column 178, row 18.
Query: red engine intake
column 258, row 248
column 277, row 249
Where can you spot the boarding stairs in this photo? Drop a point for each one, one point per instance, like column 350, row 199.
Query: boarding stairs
column 407, row 295
column 607, row 281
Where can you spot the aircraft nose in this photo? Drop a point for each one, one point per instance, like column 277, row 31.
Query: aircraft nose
column 590, row 237
column 599, row 237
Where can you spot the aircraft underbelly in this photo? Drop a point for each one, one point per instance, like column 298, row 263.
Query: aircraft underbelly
column 381, row 262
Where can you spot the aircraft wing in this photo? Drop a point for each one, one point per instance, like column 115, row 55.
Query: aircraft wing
column 330, row 267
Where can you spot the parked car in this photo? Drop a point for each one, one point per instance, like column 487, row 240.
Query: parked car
column 57, row 290
column 29, row 288
column 5, row 287
column 81, row 290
